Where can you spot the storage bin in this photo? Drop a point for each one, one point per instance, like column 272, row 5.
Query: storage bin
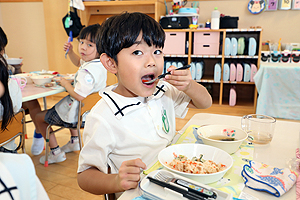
column 206, row 43
column 175, row 43
column 206, row 37
column 206, row 49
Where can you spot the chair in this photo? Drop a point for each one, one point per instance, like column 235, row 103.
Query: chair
column 84, row 107
column 15, row 129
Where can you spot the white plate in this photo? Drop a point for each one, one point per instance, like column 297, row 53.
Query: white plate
column 191, row 150
column 14, row 61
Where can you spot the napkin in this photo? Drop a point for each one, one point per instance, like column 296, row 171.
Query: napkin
column 262, row 177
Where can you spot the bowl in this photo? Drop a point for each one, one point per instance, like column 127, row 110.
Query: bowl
column 191, row 150
column 14, row 61
column 218, row 136
column 27, row 76
column 183, row 11
column 41, row 79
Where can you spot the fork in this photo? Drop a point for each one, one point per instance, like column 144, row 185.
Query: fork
column 196, row 189
column 163, row 75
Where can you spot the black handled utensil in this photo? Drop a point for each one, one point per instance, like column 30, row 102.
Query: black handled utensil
column 184, row 192
column 163, row 75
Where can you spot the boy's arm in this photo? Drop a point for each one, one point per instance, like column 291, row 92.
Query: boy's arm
column 75, row 59
column 70, row 89
column 96, row 182
column 183, row 81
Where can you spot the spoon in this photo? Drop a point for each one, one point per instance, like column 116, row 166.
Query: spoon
column 163, row 75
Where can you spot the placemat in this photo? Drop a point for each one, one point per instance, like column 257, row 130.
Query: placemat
column 232, row 182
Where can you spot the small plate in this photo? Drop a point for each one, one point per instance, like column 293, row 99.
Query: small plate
column 14, row 61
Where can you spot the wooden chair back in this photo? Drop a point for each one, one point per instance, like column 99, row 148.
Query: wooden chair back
column 88, row 103
column 14, row 129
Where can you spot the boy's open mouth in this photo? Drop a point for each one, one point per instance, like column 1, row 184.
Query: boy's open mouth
column 147, row 78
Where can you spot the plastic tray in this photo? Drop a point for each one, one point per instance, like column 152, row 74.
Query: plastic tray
column 156, row 192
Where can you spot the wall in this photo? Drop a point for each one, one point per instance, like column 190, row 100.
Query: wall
column 24, row 26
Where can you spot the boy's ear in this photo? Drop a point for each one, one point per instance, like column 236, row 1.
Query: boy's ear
column 108, row 63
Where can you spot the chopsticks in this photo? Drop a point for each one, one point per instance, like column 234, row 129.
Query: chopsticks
column 187, row 194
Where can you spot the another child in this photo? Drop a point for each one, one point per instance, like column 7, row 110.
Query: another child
column 90, row 78
column 33, row 106
column 133, row 121
column 10, row 102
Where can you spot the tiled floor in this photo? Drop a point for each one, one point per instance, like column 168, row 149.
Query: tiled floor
column 59, row 180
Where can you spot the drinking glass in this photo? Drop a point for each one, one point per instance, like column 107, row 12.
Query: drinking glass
column 260, row 128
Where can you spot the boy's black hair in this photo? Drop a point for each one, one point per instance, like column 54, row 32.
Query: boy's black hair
column 121, row 31
column 5, row 100
column 3, row 39
column 92, row 33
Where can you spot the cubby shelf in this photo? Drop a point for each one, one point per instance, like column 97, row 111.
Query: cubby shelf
column 246, row 91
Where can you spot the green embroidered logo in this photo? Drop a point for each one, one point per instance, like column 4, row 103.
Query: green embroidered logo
column 165, row 121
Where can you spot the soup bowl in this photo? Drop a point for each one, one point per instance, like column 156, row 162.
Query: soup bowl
column 227, row 138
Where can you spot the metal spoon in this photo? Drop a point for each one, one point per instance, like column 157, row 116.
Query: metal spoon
column 163, row 75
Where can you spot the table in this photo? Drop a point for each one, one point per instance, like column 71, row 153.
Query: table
column 278, row 88
column 31, row 92
column 277, row 153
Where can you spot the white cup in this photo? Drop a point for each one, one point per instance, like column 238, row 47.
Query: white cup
column 22, row 81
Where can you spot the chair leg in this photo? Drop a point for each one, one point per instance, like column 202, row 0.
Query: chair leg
column 79, row 137
column 47, row 145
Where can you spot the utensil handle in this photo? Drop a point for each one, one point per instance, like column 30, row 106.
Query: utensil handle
column 184, row 192
column 180, row 68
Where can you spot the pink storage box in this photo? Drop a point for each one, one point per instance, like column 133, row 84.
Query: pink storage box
column 207, row 37
column 206, row 43
column 206, row 49
column 175, row 43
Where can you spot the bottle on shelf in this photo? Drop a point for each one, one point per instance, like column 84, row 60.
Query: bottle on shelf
column 215, row 19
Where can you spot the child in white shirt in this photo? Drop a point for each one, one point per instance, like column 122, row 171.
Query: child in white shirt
column 90, row 78
column 133, row 121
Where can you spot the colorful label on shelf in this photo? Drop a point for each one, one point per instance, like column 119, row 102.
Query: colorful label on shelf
column 286, row 4
column 296, row 4
column 272, row 5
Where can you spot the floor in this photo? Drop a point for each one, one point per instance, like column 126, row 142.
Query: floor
column 59, row 180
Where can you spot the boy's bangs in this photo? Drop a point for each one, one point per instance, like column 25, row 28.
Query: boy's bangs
column 153, row 34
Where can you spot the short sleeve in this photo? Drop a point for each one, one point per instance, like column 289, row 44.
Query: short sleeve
column 98, row 143
column 84, row 83
column 181, row 101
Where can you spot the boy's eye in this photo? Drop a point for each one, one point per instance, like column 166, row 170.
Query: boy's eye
column 137, row 52
column 90, row 45
column 158, row 52
column 81, row 42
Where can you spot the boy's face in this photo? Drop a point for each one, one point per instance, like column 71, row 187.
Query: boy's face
column 135, row 64
column 87, row 50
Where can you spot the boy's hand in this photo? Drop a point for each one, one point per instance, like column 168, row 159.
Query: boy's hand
column 61, row 81
column 67, row 46
column 181, row 79
column 129, row 174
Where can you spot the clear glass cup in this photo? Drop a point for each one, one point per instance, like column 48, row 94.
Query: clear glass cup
column 260, row 128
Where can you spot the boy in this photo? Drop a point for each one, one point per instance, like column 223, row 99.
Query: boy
column 90, row 78
column 133, row 121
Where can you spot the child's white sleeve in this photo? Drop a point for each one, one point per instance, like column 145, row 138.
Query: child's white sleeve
column 85, row 83
column 98, row 142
